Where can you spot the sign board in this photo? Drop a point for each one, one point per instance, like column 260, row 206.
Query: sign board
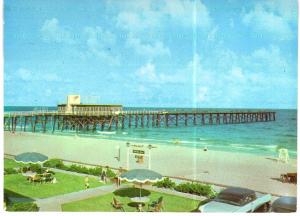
column 136, row 151
column 139, row 159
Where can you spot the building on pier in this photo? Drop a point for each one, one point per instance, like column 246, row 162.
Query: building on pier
column 74, row 106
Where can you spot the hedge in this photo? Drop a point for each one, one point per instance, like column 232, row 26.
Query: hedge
column 165, row 183
column 23, row 206
column 196, row 188
column 34, row 168
column 54, row 163
column 82, row 169
column 96, row 171
column 8, row 171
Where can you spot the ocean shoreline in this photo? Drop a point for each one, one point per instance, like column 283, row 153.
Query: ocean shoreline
column 241, row 148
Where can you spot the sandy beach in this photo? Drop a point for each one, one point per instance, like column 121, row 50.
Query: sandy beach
column 232, row 169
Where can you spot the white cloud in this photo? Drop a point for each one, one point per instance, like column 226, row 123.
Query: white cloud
column 202, row 94
column 28, row 75
column 136, row 15
column 135, row 22
column 212, row 34
column 149, row 73
column 264, row 18
column 24, row 74
column 269, row 59
column 150, row 50
column 48, row 92
column 188, row 12
column 287, row 9
column 101, row 43
column 231, row 23
column 51, row 77
column 53, row 32
column 237, row 74
column 140, row 18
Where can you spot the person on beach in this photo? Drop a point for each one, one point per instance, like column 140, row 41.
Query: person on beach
column 120, row 171
column 103, row 176
column 86, row 180
column 100, row 177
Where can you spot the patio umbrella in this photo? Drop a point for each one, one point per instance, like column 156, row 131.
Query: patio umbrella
column 141, row 176
column 31, row 157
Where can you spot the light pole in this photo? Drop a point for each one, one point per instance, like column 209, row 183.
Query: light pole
column 118, row 157
column 149, row 155
column 127, row 160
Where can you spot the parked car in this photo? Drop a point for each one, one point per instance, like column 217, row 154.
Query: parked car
column 284, row 204
column 235, row 199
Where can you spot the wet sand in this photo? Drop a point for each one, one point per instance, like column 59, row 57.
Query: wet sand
column 232, row 169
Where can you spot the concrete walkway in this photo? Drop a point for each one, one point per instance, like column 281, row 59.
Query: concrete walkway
column 174, row 192
column 73, row 173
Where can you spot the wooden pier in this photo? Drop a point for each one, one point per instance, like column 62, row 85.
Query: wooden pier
column 93, row 121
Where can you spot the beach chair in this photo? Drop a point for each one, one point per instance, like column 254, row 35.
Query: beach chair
column 36, row 179
column 47, row 177
column 289, row 178
column 117, row 205
column 283, row 155
column 156, row 206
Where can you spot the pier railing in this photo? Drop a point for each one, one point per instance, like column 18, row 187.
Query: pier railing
column 125, row 112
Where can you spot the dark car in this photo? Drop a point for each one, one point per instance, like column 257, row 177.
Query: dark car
column 285, row 204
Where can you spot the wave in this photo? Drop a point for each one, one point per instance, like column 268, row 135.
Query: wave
column 106, row 132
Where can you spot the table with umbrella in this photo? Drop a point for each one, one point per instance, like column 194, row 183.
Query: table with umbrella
column 141, row 176
column 30, row 157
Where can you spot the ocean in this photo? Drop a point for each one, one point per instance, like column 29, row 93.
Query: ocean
column 262, row 138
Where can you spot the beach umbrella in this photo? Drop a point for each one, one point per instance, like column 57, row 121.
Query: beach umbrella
column 31, row 157
column 141, row 176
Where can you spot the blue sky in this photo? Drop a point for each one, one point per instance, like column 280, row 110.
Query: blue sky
column 229, row 53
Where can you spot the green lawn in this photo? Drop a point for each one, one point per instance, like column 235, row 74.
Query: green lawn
column 103, row 203
column 8, row 163
column 66, row 183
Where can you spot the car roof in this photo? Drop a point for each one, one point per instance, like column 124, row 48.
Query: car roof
column 236, row 196
column 238, row 192
column 288, row 203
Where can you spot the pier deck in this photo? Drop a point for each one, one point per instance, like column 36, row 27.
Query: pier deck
column 92, row 121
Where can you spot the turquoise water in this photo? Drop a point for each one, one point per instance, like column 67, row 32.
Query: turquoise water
column 262, row 138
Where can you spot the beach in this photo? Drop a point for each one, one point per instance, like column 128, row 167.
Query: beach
column 259, row 173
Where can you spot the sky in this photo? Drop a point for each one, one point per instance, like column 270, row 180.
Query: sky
column 166, row 53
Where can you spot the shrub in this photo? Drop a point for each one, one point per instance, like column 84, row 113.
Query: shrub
column 23, row 206
column 54, row 163
column 8, row 171
column 78, row 168
column 110, row 173
column 165, row 183
column 197, row 189
column 57, row 163
column 36, row 168
column 184, row 187
column 95, row 171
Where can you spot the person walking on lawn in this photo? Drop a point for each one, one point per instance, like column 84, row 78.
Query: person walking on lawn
column 86, row 180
